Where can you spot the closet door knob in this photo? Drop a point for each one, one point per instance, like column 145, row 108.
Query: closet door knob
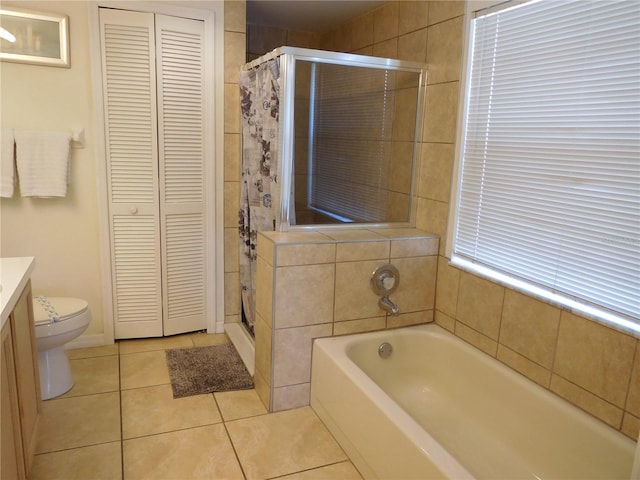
column 133, row 210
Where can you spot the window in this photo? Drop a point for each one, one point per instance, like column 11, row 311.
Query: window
column 548, row 193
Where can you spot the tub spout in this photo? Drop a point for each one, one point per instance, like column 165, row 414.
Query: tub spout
column 388, row 306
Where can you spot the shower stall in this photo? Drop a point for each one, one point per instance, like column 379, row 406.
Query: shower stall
column 328, row 139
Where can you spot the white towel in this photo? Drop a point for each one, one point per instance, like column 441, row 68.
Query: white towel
column 7, row 163
column 43, row 162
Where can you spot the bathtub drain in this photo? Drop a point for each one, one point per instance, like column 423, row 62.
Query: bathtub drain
column 385, row 349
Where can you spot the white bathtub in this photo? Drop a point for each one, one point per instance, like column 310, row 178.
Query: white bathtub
column 439, row 408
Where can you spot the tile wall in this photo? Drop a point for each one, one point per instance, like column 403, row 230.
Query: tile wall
column 592, row 366
column 234, row 55
column 262, row 39
column 397, row 149
column 240, row 41
column 316, row 284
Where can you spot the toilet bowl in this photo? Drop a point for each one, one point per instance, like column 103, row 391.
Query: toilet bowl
column 58, row 320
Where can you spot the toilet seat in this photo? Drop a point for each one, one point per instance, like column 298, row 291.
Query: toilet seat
column 57, row 309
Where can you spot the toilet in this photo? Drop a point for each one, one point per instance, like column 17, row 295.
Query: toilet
column 58, row 320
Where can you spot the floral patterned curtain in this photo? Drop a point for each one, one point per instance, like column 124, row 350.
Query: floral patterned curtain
column 260, row 189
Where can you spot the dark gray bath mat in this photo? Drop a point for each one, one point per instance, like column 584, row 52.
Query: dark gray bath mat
column 198, row 370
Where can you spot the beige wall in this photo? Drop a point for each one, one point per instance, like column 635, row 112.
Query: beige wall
column 63, row 234
column 592, row 366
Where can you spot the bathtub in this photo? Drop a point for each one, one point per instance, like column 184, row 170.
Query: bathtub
column 439, row 408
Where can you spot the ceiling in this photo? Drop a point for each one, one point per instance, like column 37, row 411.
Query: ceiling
column 306, row 15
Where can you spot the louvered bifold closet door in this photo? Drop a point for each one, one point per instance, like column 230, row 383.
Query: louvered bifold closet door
column 129, row 79
column 179, row 44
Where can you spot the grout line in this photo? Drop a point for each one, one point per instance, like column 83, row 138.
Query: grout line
column 313, row 468
column 184, row 429
column 144, row 386
column 75, row 448
column 627, row 400
column 555, row 347
column 235, row 452
column 247, row 417
column 121, row 417
column 215, row 402
column 92, row 394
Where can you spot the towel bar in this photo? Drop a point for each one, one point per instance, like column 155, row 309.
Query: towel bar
column 77, row 137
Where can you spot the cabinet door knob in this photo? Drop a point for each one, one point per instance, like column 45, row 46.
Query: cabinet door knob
column 133, row 210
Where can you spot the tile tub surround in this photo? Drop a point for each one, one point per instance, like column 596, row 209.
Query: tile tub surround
column 543, row 342
column 595, row 367
column 588, row 364
column 315, row 283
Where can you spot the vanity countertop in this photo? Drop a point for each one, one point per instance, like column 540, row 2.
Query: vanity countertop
column 15, row 272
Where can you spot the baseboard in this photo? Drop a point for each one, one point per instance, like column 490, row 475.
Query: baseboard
column 85, row 341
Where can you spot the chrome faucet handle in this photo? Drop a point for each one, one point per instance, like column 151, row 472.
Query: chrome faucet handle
column 385, row 279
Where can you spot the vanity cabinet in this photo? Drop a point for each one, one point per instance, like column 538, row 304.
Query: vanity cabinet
column 19, row 390
column 12, row 455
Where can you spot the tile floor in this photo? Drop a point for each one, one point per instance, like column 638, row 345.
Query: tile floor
column 120, row 421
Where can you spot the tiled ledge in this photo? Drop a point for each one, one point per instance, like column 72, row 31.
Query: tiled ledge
column 297, row 247
column 316, row 283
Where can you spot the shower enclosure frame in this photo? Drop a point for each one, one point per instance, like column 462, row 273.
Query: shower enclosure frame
column 240, row 336
column 288, row 58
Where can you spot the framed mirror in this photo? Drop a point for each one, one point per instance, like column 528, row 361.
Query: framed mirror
column 34, row 37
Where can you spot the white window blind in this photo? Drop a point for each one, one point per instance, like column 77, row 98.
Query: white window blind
column 549, row 182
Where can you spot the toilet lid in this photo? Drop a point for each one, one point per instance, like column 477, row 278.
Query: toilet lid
column 49, row 309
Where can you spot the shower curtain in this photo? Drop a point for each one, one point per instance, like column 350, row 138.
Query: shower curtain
column 260, row 189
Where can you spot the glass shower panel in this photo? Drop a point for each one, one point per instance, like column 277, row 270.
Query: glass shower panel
column 354, row 143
